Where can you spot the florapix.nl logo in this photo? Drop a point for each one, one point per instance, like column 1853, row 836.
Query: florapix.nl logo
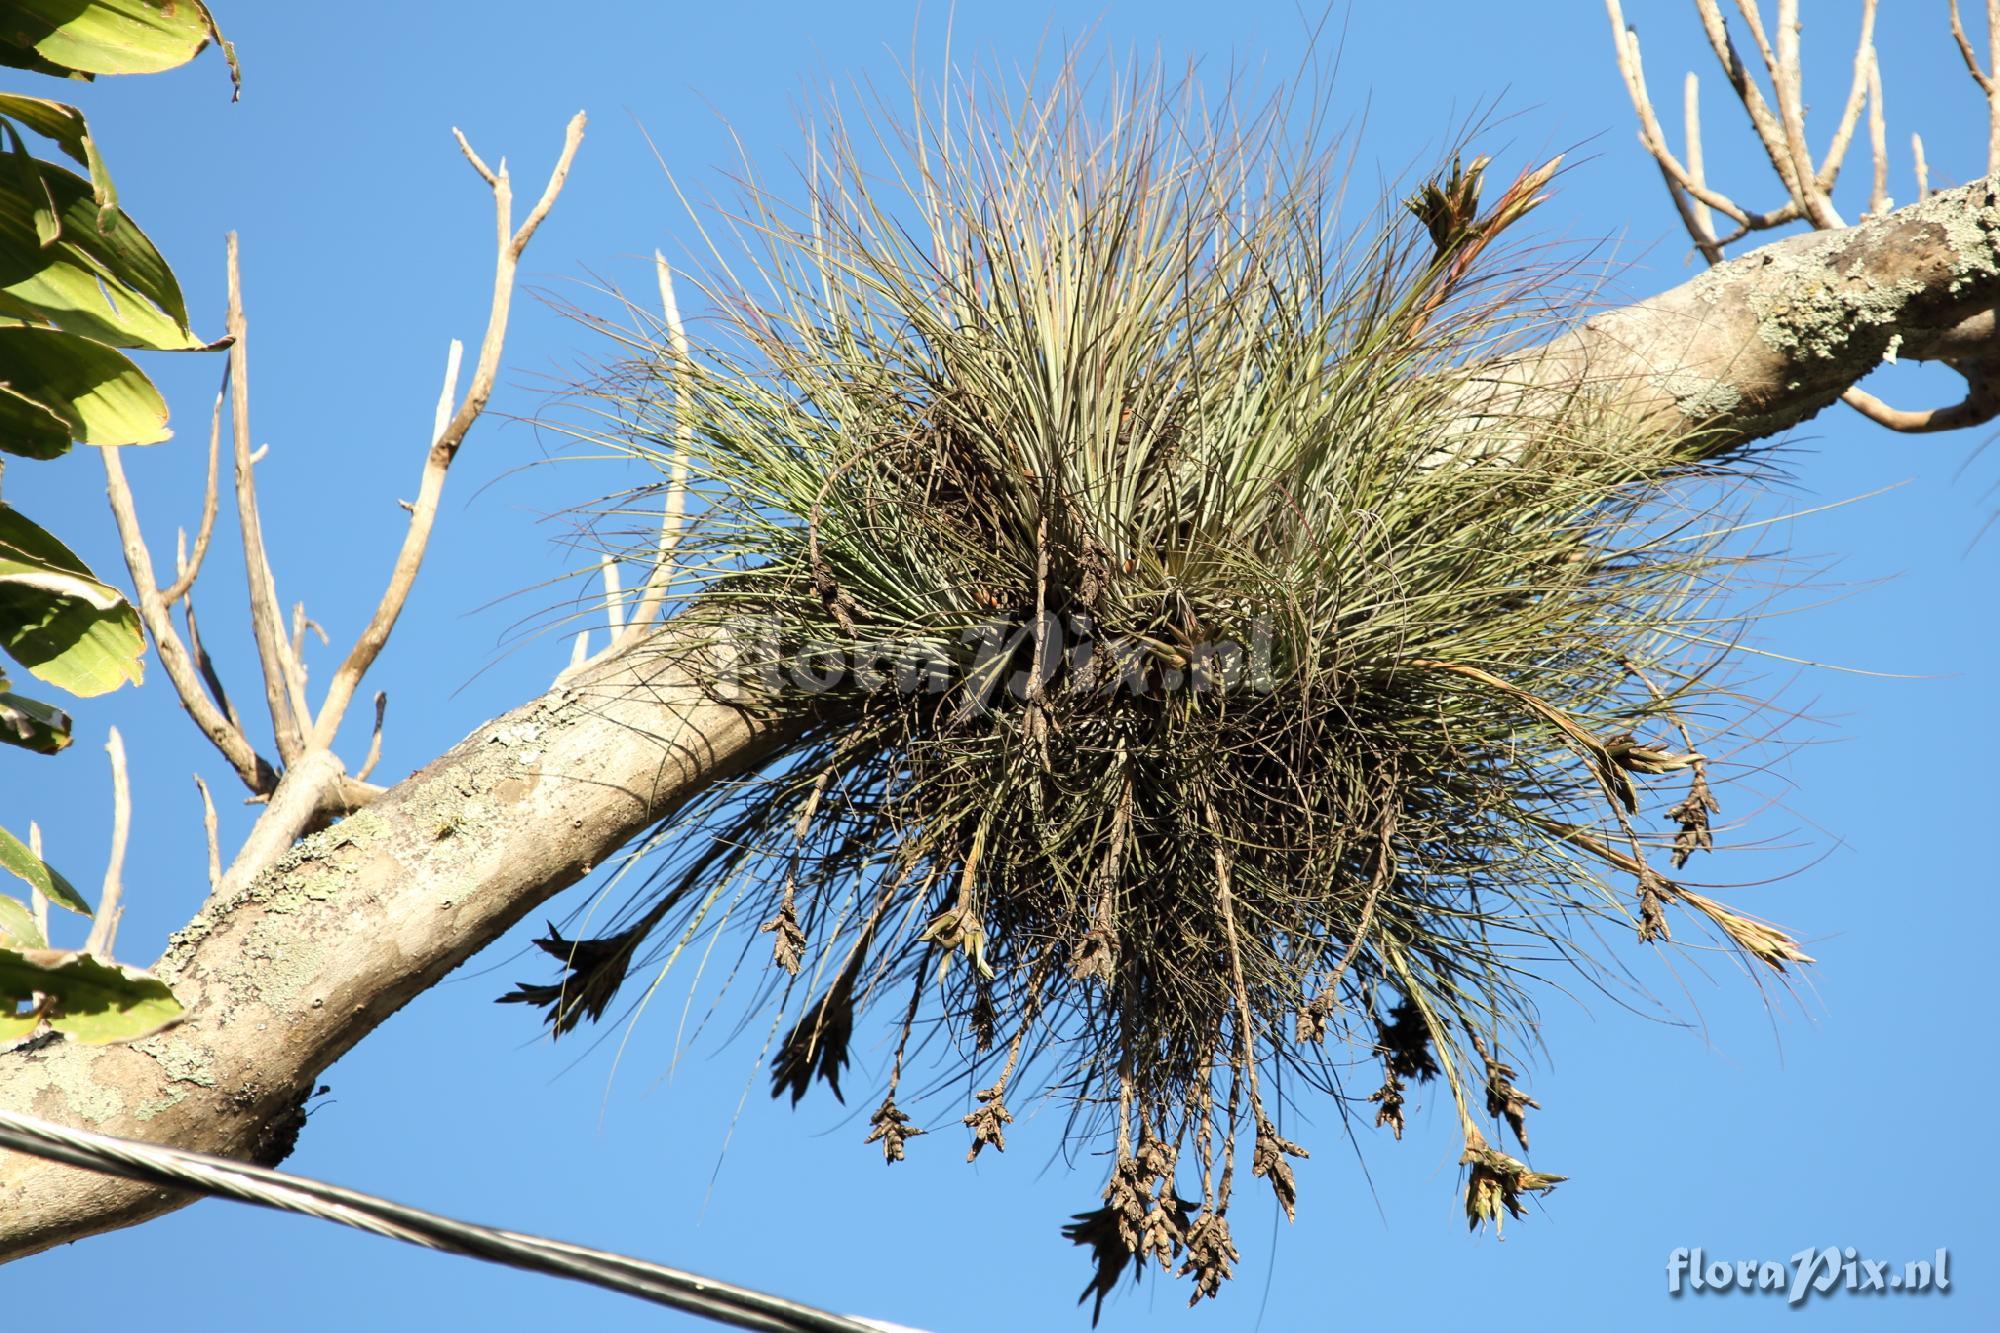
column 1813, row 1271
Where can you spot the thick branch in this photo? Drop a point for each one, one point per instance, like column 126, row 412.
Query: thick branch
column 283, row 974
column 1760, row 343
column 286, row 973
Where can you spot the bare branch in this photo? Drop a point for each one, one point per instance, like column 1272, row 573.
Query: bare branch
column 1979, row 406
column 1789, row 84
column 374, row 738
column 1687, row 185
column 614, row 605
column 1979, row 76
column 1988, row 79
column 38, row 901
column 448, row 392
column 110, row 905
column 1626, row 39
column 1878, row 142
column 1770, row 133
column 208, row 830
column 1923, row 169
column 423, row 514
column 485, row 172
column 221, row 730
column 674, row 511
column 1865, row 72
column 266, row 622
column 210, row 677
column 188, row 568
column 1704, row 221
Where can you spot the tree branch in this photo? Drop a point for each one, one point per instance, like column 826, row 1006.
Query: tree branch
column 378, row 908
column 371, row 912
column 1757, row 344
column 181, row 668
column 266, row 622
column 444, row 447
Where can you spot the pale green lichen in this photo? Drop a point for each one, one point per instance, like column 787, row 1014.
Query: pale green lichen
column 1805, row 308
column 1700, row 397
column 68, row 1085
column 1969, row 234
column 286, row 964
column 179, row 1059
column 159, row 1106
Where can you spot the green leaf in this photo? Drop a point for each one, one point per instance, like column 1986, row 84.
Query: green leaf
column 99, row 392
column 92, row 1002
column 17, row 925
column 15, row 857
column 100, row 277
column 32, row 724
column 103, row 36
column 25, row 188
column 57, row 619
column 29, row 430
column 66, row 126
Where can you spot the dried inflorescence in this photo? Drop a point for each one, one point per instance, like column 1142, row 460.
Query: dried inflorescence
column 1193, row 661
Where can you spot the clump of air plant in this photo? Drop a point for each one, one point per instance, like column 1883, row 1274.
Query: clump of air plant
column 1188, row 658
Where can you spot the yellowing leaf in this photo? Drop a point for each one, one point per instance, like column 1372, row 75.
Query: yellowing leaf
column 57, row 619
column 101, row 394
column 92, row 1002
column 103, row 36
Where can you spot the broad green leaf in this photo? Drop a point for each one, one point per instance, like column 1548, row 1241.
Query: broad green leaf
column 13, row 1027
column 25, row 189
column 104, row 36
column 32, row 558
column 32, row 724
column 66, row 126
column 17, row 925
column 101, row 277
column 59, row 621
column 15, row 857
column 93, row 1002
column 99, row 392
column 29, row 430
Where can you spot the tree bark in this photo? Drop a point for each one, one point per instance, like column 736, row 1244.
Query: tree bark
column 285, row 973
column 1761, row 343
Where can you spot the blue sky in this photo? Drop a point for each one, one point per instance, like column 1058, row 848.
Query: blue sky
column 1854, row 1112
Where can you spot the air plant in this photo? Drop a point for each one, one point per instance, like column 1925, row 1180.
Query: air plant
column 1189, row 667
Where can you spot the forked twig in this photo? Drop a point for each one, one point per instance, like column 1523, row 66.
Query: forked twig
column 444, row 447
column 1782, row 133
column 181, row 666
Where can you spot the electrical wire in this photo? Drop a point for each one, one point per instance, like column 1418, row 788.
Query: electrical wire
column 723, row 1302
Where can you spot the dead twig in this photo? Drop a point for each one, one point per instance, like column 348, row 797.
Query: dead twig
column 444, row 447
column 1985, row 78
column 374, row 739
column 188, row 567
column 674, row 509
column 110, row 906
column 1782, row 133
column 266, row 622
column 187, row 673
column 209, row 832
